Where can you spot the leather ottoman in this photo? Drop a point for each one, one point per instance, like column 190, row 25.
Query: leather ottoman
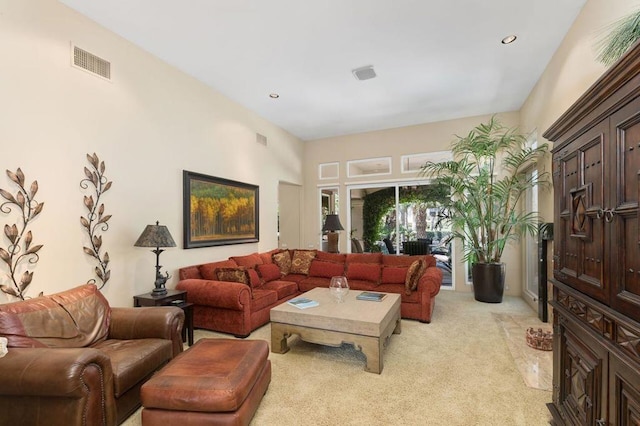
column 215, row 382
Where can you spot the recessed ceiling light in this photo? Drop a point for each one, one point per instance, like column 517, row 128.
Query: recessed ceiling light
column 509, row 39
column 274, row 95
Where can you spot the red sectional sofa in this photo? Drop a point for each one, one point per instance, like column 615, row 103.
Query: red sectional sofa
column 235, row 295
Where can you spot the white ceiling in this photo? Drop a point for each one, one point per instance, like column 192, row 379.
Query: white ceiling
column 435, row 59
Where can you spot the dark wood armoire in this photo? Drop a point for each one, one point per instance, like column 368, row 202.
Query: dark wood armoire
column 596, row 254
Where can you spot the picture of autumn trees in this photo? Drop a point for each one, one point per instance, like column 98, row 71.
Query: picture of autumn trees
column 221, row 211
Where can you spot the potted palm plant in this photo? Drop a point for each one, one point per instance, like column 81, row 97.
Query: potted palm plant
column 487, row 178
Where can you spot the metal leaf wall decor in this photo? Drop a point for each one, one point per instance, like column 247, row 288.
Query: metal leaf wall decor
column 95, row 220
column 20, row 252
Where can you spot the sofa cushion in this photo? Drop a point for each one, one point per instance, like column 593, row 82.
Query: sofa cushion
column 269, row 272
column 414, row 273
column 283, row 260
column 309, row 283
column 394, row 274
column 282, row 288
column 132, row 360
column 362, row 285
column 208, row 270
column 364, row 258
column 267, row 256
column 301, row 261
column 263, row 298
column 331, row 257
column 319, row 268
column 406, row 261
column 364, row 271
column 249, row 261
column 74, row 318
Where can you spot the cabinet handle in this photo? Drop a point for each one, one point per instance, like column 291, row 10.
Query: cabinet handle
column 599, row 214
column 601, row 422
column 608, row 215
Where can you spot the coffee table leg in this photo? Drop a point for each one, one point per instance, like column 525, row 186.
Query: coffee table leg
column 372, row 349
column 278, row 339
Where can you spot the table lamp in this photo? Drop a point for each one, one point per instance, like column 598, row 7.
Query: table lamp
column 157, row 236
column 332, row 225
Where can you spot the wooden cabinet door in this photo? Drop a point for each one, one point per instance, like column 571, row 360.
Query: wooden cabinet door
column 579, row 178
column 624, row 393
column 623, row 216
column 582, row 367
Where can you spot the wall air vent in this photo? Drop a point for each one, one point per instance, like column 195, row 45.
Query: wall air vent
column 90, row 62
column 261, row 139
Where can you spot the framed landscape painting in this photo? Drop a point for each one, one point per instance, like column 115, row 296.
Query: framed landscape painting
column 218, row 211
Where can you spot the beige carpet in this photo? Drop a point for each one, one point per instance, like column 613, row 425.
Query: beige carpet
column 458, row 370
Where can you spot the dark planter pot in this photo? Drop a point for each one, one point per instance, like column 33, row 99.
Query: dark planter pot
column 488, row 282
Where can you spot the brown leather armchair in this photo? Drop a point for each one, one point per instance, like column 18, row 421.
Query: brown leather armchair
column 73, row 360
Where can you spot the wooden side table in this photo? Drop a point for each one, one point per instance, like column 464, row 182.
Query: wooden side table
column 176, row 298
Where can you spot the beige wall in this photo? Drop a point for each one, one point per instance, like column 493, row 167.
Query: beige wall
column 148, row 124
column 152, row 121
column 571, row 71
column 392, row 143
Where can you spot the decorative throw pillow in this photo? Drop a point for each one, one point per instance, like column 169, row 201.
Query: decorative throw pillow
column 394, row 274
column 269, row 272
column 319, row 268
column 236, row 275
column 414, row 273
column 283, row 260
column 254, row 278
column 364, row 271
column 301, row 261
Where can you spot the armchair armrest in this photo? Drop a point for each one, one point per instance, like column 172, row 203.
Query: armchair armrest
column 68, row 384
column 219, row 294
column 430, row 281
column 160, row 322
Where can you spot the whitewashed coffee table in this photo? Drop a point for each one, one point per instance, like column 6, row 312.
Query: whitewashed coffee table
column 365, row 324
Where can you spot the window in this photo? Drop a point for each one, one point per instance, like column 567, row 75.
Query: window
column 369, row 167
column 413, row 162
column 328, row 171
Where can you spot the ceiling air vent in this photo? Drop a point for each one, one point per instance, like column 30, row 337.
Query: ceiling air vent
column 261, row 139
column 92, row 63
column 364, row 73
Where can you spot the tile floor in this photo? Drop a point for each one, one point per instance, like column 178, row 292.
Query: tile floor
column 535, row 366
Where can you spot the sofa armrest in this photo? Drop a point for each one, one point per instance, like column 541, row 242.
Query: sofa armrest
column 219, row 294
column 160, row 322
column 430, row 281
column 69, row 383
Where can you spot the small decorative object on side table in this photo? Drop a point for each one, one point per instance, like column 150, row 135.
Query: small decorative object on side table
column 176, row 298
